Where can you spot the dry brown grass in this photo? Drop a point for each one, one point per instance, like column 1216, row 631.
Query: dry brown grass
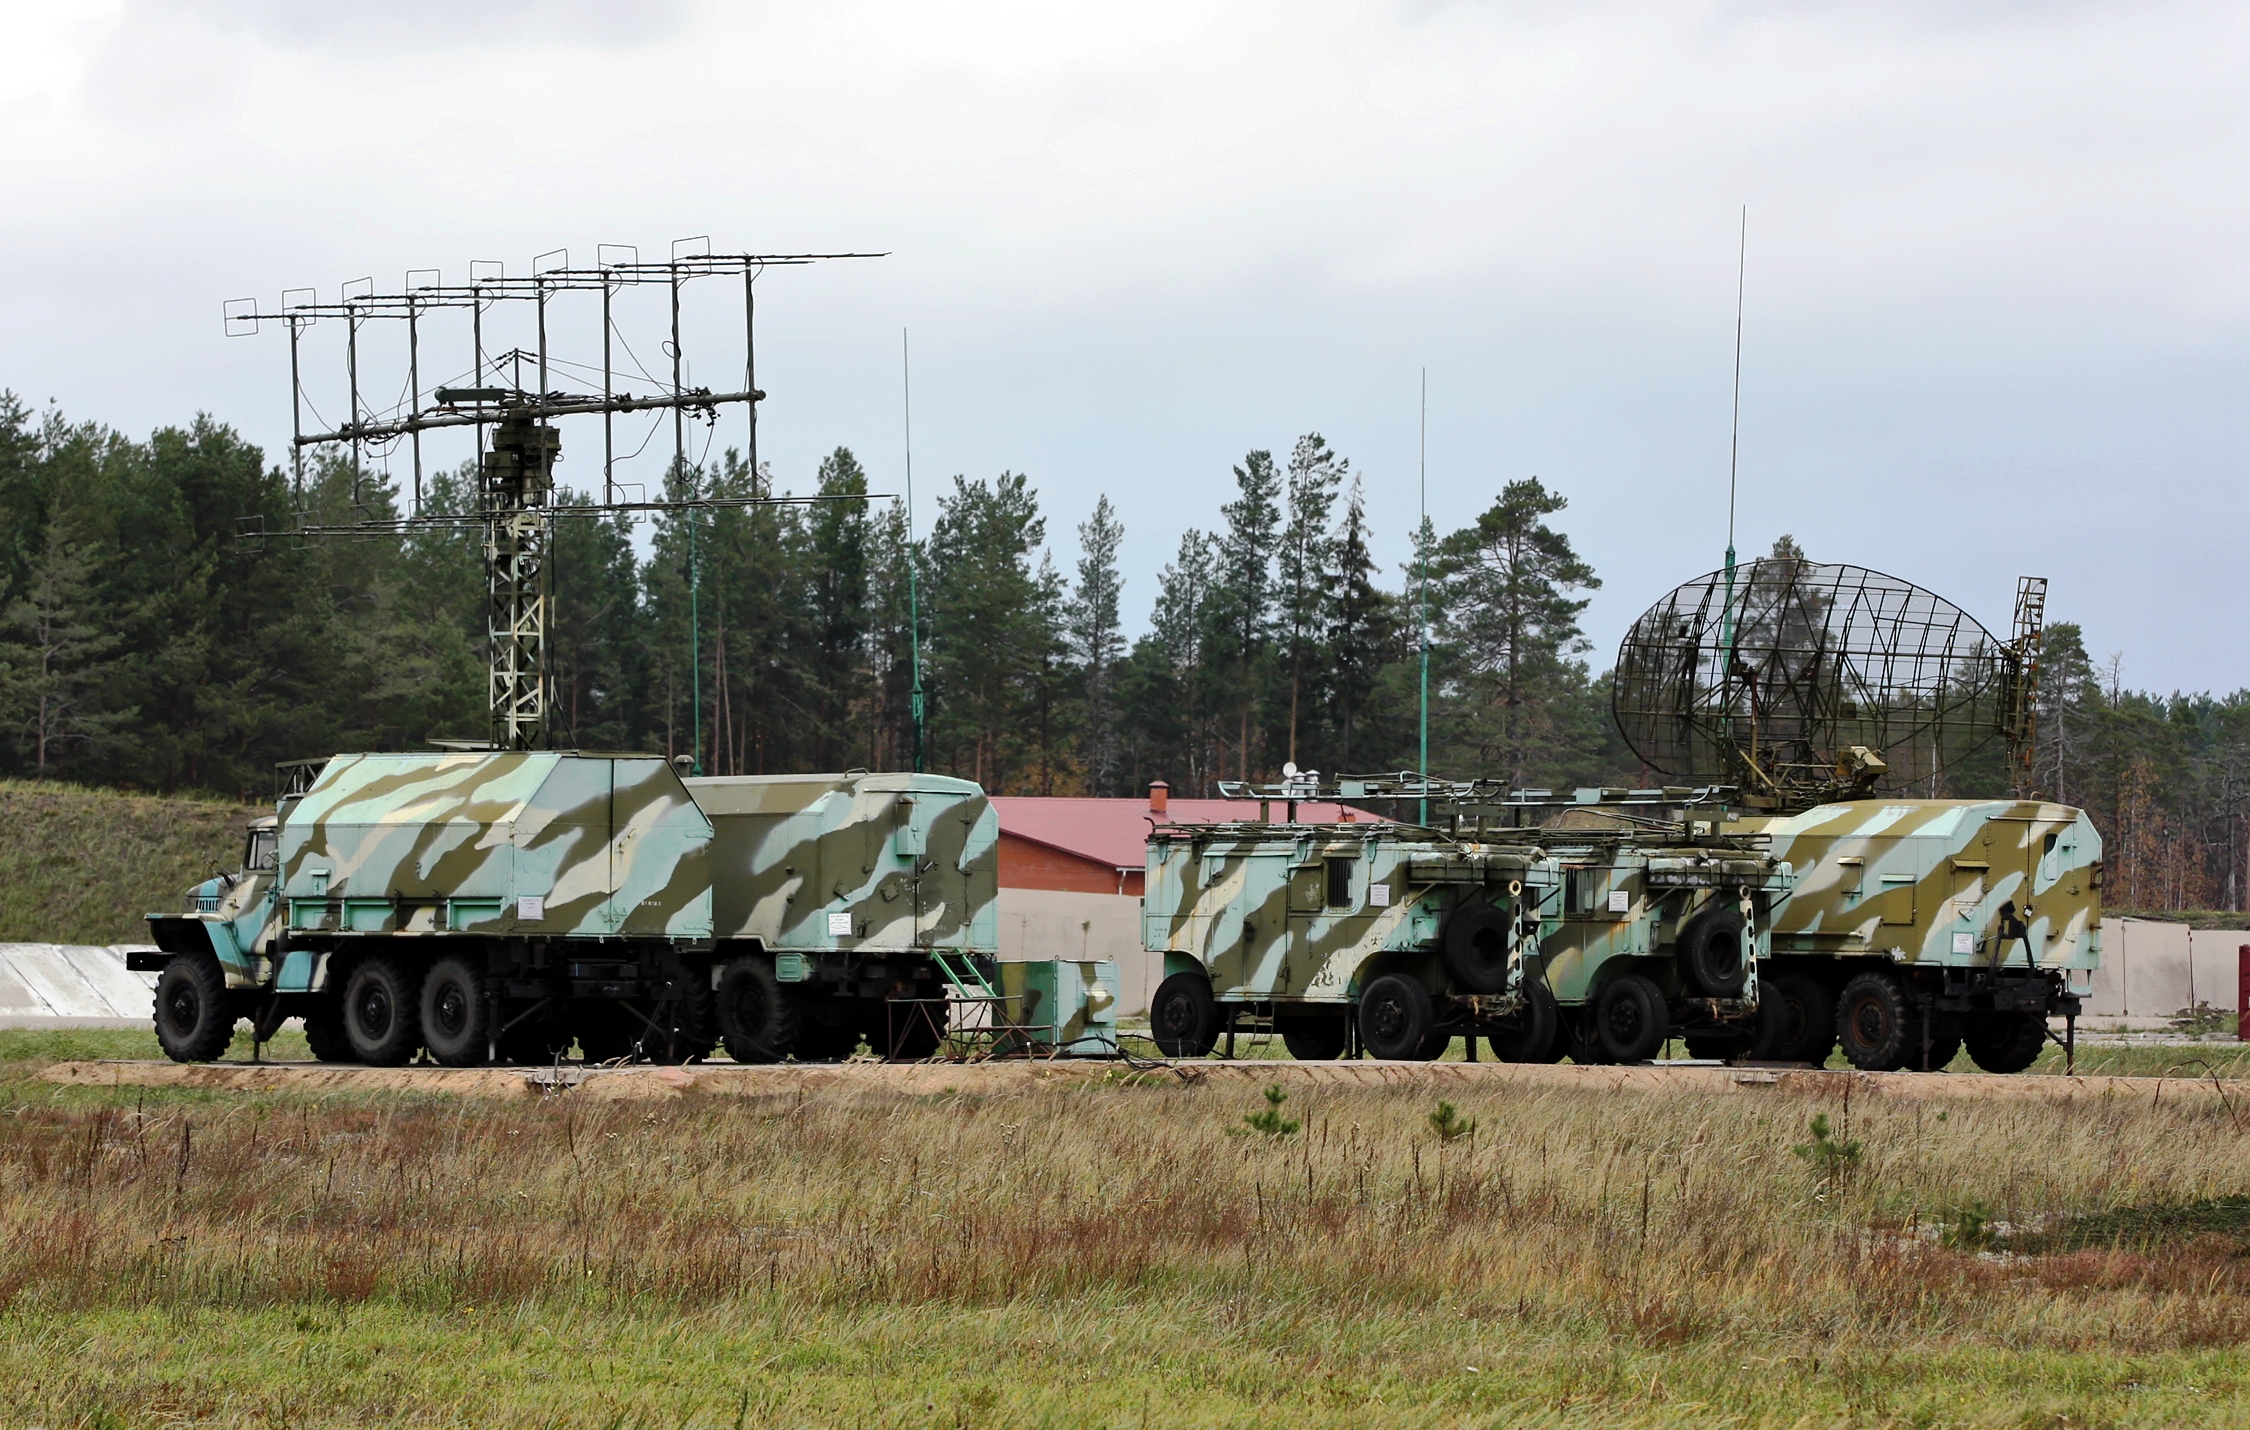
column 1646, row 1259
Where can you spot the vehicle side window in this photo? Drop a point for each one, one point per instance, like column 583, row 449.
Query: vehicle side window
column 1340, row 883
column 260, row 854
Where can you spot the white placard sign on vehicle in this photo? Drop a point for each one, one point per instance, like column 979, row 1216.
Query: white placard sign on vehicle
column 1620, row 901
column 531, row 906
column 840, row 925
column 1379, row 895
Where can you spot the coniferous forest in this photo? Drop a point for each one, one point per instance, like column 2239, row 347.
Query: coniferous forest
column 147, row 642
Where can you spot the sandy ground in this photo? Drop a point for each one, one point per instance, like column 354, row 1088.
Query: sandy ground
column 936, row 1079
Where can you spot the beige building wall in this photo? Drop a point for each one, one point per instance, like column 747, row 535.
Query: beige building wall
column 1053, row 923
column 2153, row 970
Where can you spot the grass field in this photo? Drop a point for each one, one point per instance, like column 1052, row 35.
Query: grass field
column 1122, row 1254
column 84, row 866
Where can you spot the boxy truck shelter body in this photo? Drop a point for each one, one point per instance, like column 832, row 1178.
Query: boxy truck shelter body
column 1395, row 939
column 1918, row 926
column 869, row 896
column 483, row 904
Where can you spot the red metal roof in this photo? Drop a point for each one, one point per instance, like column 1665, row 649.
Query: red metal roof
column 1114, row 832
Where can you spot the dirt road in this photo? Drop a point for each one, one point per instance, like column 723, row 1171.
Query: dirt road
column 937, row 1079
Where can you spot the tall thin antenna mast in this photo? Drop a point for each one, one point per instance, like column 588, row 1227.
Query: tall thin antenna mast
column 1422, row 541
column 916, row 705
column 1734, row 455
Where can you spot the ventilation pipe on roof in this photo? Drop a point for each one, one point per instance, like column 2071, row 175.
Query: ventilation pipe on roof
column 1159, row 794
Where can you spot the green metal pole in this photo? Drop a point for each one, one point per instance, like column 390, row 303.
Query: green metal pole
column 917, row 704
column 695, row 633
column 1422, row 540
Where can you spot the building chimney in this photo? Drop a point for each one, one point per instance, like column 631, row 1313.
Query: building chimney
column 1159, row 794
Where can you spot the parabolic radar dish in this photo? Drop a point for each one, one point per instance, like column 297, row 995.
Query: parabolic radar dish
column 1771, row 678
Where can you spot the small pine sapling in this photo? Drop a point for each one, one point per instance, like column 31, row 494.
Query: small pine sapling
column 1448, row 1123
column 1270, row 1121
column 1832, row 1159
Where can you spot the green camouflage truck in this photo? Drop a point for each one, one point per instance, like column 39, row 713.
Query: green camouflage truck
column 509, row 904
column 1393, row 939
column 1918, row 927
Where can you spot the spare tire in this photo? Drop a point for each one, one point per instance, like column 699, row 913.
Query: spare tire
column 1475, row 946
column 1714, row 954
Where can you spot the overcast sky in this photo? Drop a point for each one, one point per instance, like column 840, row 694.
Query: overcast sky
column 1997, row 253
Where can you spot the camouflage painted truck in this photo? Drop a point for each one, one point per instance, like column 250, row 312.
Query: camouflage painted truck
column 1392, row 939
column 485, row 905
column 1920, row 927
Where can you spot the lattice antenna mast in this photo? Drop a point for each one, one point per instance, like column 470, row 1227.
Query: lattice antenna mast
column 517, row 442
column 2019, row 716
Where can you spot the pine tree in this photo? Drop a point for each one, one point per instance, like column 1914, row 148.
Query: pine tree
column 57, row 656
column 1363, row 637
column 1307, row 566
column 1097, row 643
column 1508, row 581
column 1240, row 608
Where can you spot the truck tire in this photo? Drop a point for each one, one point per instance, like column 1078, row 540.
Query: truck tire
column 382, row 1012
column 1476, row 943
column 1945, row 1043
column 1395, row 1019
column 1316, row 1038
column 1533, row 1035
column 456, row 1015
column 684, row 1022
column 194, row 1013
column 1876, row 1024
column 324, row 1031
column 2004, row 1042
column 1630, row 1019
column 1183, row 1017
column 1809, row 1033
column 757, row 1017
column 1712, row 953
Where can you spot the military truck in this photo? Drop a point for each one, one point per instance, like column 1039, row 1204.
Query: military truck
column 506, row 905
column 1393, row 938
column 1918, row 927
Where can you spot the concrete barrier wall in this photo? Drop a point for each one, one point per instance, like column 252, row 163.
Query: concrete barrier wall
column 63, row 985
column 2153, row 970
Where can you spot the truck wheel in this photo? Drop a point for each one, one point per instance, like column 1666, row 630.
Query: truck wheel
column 324, row 1031
column 1316, row 1038
column 757, row 1020
column 687, row 1021
column 1876, row 1024
column 1476, row 948
column 194, row 1015
column 1395, row 1017
column 1808, row 1017
column 1712, row 955
column 1581, row 1038
column 1945, row 1043
column 1630, row 1019
column 1532, row 1035
column 1183, row 1017
column 456, row 1017
column 2004, row 1042
column 382, row 1012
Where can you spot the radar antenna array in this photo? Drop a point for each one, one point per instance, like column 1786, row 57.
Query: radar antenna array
column 515, row 462
column 1804, row 681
